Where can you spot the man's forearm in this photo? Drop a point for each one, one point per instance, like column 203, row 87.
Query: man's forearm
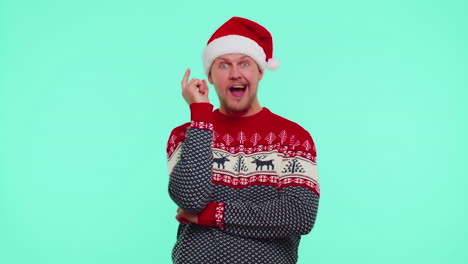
column 291, row 214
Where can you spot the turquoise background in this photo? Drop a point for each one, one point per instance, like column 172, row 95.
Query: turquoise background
column 90, row 90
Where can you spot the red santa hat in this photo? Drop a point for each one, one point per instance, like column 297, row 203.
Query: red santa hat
column 240, row 35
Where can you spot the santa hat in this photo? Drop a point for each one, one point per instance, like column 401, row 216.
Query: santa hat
column 240, row 35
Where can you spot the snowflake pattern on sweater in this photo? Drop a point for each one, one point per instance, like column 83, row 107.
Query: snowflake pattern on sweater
column 255, row 180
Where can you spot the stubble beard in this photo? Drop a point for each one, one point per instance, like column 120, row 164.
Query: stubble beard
column 238, row 108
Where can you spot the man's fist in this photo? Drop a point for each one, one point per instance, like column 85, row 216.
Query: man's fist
column 185, row 218
column 195, row 90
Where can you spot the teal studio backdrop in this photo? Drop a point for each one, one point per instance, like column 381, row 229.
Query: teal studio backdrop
column 90, row 90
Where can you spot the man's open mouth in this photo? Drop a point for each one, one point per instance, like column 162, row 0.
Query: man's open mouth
column 238, row 90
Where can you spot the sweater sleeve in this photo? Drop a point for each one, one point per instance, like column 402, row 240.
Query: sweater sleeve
column 291, row 213
column 190, row 164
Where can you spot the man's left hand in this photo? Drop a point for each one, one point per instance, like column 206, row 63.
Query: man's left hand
column 185, row 218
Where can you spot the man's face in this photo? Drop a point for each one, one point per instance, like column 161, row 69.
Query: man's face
column 236, row 77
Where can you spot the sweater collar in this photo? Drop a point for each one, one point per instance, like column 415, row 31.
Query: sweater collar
column 220, row 117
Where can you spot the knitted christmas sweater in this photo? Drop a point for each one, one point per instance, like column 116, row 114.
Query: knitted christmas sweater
column 252, row 181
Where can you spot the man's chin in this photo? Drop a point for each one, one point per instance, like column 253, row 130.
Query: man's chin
column 237, row 110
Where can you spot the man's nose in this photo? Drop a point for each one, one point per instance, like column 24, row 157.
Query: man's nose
column 234, row 73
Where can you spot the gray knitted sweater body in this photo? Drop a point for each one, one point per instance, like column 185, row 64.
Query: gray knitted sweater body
column 252, row 181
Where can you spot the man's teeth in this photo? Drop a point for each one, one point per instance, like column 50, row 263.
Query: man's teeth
column 238, row 87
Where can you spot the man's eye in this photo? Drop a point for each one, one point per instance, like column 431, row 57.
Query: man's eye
column 245, row 64
column 223, row 65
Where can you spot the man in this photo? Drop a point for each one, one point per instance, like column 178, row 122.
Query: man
column 244, row 179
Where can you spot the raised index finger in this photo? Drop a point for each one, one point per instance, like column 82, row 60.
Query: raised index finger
column 186, row 76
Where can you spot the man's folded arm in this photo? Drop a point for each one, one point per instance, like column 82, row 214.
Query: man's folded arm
column 293, row 213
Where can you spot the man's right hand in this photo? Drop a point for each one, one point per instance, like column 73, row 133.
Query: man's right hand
column 195, row 90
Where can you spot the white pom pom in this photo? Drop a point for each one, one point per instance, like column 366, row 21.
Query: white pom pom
column 272, row 64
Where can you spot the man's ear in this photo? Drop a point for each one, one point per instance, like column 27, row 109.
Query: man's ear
column 261, row 74
column 209, row 77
